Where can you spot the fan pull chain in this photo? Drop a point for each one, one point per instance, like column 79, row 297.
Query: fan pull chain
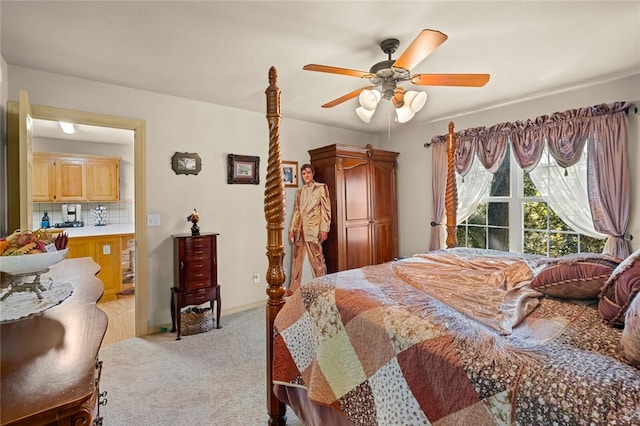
column 389, row 120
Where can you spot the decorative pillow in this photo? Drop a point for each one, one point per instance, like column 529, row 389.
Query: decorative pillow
column 620, row 289
column 575, row 276
column 630, row 340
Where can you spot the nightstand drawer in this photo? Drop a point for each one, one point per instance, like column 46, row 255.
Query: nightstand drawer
column 197, row 245
column 197, row 284
column 198, row 297
column 198, row 270
column 198, row 254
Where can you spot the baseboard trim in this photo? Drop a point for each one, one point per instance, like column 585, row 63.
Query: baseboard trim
column 243, row 308
column 164, row 328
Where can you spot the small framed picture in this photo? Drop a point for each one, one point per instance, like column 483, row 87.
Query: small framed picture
column 243, row 169
column 290, row 174
column 184, row 163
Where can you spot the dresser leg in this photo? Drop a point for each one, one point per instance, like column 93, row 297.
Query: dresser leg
column 218, row 303
column 178, row 321
column 173, row 313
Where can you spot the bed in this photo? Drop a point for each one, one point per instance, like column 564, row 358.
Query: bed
column 454, row 336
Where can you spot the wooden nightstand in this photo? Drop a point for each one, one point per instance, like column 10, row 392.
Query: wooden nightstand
column 195, row 275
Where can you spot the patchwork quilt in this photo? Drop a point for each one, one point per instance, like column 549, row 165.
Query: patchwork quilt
column 383, row 347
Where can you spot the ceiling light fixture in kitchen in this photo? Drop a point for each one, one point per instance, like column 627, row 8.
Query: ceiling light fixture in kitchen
column 68, row 128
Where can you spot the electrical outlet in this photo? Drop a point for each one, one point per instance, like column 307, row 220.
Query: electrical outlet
column 153, row 220
column 106, row 249
column 256, row 278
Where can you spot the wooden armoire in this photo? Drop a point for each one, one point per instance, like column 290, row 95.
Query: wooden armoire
column 364, row 217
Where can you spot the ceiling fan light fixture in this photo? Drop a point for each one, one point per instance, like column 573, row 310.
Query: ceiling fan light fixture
column 416, row 100
column 365, row 114
column 411, row 103
column 369, row 99
column 67, row 128
column 404, row 113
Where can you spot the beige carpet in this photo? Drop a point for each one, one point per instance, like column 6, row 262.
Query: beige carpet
column 213, row 378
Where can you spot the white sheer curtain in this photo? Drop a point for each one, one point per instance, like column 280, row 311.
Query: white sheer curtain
column 438, row 185
column 565, row 190
column 471, row 188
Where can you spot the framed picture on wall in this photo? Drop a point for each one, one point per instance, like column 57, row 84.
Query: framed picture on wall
column 290, row 173
column 243, row 169
column 184, row 163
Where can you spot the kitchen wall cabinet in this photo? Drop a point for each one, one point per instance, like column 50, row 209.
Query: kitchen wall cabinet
column 74, row 177
column 71, row 178
column 106, row 252
column 103, row 176
column 43, row 174
column 362, row 188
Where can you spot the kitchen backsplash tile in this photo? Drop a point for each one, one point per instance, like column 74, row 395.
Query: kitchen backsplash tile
column 118, row 213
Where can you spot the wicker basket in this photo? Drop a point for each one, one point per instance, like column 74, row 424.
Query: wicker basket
column 196, row 320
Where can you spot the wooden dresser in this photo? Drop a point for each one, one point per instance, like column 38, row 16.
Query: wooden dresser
column 195, row 275
column 364, row 217
column 50, row 370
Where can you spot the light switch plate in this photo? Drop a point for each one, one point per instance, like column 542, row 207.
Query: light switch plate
column 153, row 220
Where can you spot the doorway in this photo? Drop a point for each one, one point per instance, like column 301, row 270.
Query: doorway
column 111, row 218
column 138, row 128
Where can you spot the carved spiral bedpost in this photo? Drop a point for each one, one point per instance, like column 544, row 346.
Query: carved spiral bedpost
column 274, row 212
column 451, row 192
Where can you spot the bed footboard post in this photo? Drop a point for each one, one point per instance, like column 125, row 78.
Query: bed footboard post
column 451, row 194
column 274, row 212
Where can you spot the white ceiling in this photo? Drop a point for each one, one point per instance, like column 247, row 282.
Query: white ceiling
column 220, row 52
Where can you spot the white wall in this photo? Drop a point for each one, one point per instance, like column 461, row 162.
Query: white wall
column 4, row 89
column 414, row 162
column 4, row 95
column 182, row 125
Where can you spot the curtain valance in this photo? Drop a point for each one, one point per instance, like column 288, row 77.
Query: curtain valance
column 564, row 132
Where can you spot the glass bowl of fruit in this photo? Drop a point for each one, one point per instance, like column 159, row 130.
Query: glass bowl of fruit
column 30, row 252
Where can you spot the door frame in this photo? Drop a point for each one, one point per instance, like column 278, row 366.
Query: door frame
column 103, row 120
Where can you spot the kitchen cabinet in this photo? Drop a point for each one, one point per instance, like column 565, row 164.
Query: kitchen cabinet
column 75, row 177
column 43, row 174
column 71, row 178
column 103, row 177
column 106, row 252
column 364, row 218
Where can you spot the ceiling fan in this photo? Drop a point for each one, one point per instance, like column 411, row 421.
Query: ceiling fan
column 386, row 76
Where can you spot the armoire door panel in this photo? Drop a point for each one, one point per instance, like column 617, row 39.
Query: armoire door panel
column 384, row 199
column 385, row 248
column 358, row 247
column 356, row 193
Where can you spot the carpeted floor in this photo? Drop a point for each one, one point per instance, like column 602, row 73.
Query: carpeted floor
column 213, row 378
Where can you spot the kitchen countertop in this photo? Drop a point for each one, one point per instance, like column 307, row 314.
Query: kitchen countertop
column 97, row 231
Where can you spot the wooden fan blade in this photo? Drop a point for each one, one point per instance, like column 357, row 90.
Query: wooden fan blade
column 346, row 97
column 336, row 70
column 426, row 42
column 470, row 80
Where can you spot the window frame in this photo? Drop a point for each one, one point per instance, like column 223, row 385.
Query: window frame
column 516, row 210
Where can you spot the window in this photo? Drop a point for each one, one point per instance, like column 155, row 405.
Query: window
column 516, row 217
